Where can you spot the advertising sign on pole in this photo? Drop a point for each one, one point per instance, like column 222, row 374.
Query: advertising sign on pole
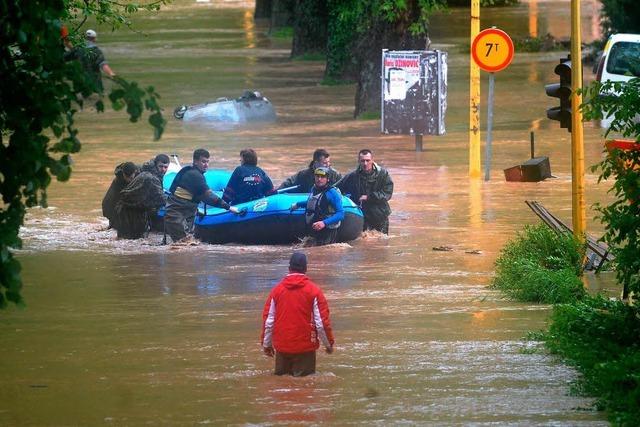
column 414, row 92
column 397, row 84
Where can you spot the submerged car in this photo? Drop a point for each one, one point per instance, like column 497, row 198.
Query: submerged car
column 250, row 107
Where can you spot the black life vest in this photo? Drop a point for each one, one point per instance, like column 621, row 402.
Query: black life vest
column 319, row 208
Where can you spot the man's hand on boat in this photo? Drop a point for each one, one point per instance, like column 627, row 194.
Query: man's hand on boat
column 293, row 207
column 319, row 225
column 237, row 211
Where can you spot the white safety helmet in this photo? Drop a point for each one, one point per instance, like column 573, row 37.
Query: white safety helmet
column 90, row 34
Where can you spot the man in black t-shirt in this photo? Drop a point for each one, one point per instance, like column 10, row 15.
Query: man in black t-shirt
column 188, row 189
column 91, row 58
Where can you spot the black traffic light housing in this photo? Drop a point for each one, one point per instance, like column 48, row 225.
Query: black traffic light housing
column 561, row 90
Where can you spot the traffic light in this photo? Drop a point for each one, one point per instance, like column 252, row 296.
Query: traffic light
column 561, row 90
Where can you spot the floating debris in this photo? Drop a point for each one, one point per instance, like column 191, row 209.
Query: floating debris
column 371, row 392
column 473, row 252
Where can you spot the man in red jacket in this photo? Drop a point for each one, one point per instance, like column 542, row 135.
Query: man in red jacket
column 294, row 321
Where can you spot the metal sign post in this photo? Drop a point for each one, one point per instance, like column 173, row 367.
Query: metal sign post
column 419, row 142
column 492, row 50
column 487, row 147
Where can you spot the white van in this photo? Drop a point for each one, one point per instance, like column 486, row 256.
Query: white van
column 620, row 62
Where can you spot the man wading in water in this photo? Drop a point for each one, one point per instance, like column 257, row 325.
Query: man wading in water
column 141, row 198
column 324, row 211
column 304, row 179
column 188, row 189
column 91, row 58
column 124, row 174
column 371, row 188
column 294, row 321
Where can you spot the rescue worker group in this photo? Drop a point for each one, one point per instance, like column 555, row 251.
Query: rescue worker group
column 136, row 194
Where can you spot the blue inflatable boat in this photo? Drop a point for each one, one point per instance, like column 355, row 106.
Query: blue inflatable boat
column 266, row 221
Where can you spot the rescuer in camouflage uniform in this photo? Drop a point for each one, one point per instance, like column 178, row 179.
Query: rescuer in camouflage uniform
column 124, row 172
column 141, row 199
column 371, row 188
column 304, row 178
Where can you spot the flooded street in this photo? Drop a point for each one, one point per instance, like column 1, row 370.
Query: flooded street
column 133, row 333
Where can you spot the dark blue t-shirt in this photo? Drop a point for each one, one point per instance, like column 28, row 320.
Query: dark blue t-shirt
column 247, row 183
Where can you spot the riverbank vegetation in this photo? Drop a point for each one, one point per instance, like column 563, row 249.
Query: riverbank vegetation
column 546, row 43
column 541, row 266
column 597, row 335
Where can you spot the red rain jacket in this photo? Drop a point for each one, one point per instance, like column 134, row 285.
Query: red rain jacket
column 296, row 316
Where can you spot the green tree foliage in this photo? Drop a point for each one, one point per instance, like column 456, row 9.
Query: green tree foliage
column 621, row 218
column 357, row 32
column 483, row 3
column 620, row 16
column 540, row 265
column 351, row 21
column 344, row 16
column 310, row 28
column 39, row 96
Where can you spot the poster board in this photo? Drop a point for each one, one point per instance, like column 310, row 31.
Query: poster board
column 414, row 92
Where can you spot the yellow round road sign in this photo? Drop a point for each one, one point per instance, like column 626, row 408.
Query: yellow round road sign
column 492, row 50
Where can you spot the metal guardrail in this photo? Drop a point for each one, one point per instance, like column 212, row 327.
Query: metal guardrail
column 597, row 253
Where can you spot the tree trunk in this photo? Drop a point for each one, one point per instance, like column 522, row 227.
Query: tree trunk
column 262, row 10
column 341, row 65
column 381, row 34
column 281, row 13
column 309, row 27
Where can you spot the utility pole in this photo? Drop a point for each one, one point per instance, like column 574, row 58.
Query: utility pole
column 474, row 98
column 577, row 140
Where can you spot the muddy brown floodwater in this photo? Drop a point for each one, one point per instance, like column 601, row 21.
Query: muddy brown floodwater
column 133, row 333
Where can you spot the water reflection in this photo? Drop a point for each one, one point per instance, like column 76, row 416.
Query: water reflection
column 249, row 29
column 475, row 203
column 250, row 36
column 533, row 18
column 297, row 400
